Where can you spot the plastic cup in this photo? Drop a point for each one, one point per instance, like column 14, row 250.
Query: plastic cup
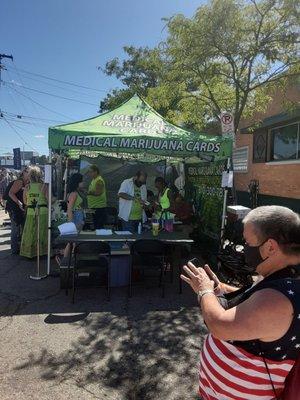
column 155, row 228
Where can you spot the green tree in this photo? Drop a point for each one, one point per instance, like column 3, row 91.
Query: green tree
column 140, row 71
column 228, row 56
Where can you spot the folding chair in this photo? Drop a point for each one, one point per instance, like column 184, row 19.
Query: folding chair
column 148, row 255
column 91, row 257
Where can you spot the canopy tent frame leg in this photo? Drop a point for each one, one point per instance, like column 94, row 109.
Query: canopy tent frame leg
column 38, row 275
column 66, row 178
column 49, row 215
column 224, row 211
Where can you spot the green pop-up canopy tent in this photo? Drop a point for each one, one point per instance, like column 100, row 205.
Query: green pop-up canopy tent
column 135, row 127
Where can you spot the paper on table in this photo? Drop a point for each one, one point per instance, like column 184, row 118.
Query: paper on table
column 227, row 179
column 104, row 232
column 68, row 228
column 123, row 233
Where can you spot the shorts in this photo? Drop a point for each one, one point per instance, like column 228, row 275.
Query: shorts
column 78, row 218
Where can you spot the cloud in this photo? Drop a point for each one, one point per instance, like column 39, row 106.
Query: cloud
column 39, row 136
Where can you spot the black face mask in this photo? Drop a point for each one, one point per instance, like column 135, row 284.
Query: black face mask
column 252, row 255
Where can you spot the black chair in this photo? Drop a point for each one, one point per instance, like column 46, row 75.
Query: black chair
column 148, row 255
column 91, row 257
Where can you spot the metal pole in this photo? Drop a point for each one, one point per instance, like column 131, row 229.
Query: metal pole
column 225, row 204
column 38, row 240
column 49, row 215
column 59, row 177
column 66, row 178
column 37, row 277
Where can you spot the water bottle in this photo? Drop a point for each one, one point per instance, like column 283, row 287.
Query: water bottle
column 140, row 228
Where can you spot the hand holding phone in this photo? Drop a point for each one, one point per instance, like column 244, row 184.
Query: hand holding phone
column 196, row 262
column 212, row 275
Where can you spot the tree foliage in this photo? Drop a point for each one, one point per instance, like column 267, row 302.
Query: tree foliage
column 228, row 56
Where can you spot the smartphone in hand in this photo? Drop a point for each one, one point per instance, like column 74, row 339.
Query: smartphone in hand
column 195, row 261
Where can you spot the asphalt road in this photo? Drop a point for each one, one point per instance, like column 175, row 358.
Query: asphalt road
column 140, row 348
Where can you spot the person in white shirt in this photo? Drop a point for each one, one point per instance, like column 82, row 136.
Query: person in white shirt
column 132, row 197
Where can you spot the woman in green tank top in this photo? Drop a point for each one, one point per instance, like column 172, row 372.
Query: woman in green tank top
column 96, row 198
column 35, row 199
column 165, row 196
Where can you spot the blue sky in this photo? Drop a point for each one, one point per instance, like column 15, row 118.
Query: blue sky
column 68, row 40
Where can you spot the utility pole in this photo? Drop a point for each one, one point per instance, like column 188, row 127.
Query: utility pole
column 1, row 66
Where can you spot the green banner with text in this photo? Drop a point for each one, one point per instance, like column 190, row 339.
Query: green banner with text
column 203, row 185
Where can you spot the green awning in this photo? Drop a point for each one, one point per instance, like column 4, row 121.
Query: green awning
column 134, row 128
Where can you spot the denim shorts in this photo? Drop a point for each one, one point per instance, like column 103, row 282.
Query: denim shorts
column 78, row 218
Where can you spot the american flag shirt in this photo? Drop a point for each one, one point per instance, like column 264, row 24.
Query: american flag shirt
column 236, row 370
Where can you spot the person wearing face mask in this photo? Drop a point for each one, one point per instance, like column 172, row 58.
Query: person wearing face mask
column 132, row 197
column 254, row 336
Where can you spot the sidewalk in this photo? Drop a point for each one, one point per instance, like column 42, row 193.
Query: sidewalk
column 141, row 348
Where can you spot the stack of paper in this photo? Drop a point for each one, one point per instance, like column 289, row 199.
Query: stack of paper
column 68, row 228
column 104, row 232
column 123, row 233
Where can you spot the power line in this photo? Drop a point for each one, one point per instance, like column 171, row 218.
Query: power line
column 36, row 102
column 18, row 134
column 38, row 128
column 20, row 116
column 36, row 125
column 9, row 91
column 34, row 105
column 65, row 82
column 56, row 86
column 20, row 101
column 50, row 94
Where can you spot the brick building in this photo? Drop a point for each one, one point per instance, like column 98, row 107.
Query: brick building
column 270, row 153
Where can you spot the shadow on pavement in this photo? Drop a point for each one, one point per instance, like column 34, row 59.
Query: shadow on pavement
column 139, row 348
column 65, row 319
column 143, row 354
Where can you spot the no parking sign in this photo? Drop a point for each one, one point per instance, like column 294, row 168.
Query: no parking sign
column 227, row 123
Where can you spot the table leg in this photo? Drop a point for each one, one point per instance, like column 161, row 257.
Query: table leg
column 176, row 260
column 69, row 266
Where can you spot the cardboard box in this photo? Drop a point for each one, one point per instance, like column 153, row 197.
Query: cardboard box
column 239, row 211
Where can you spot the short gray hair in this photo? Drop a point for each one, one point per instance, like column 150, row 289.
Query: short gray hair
column 278, row 223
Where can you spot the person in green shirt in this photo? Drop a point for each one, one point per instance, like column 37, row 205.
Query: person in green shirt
column 132, row 200
column 35, row 198
column 96, row 197
column 165, row 196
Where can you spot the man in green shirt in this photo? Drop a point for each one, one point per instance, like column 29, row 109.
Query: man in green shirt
column 97, row 197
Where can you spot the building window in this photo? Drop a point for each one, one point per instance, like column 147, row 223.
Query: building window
column 240, row 159
column 285, row 143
